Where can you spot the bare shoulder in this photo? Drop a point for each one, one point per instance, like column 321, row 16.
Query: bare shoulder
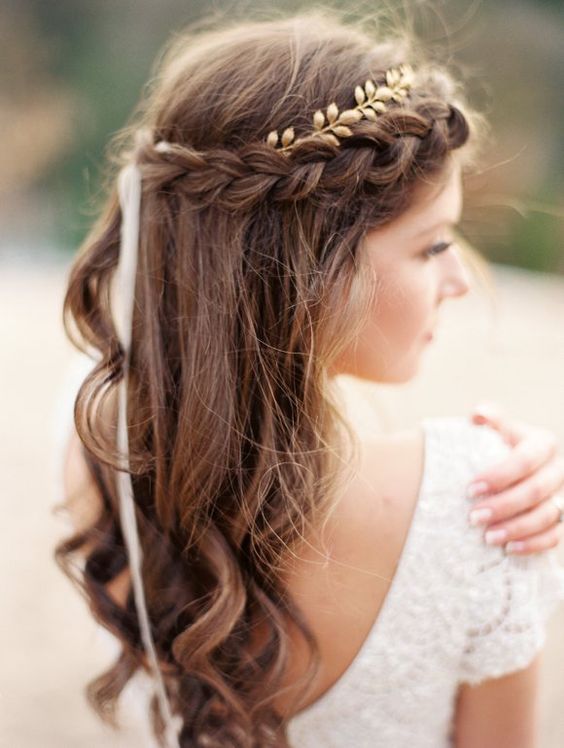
column 379, row 501
column 378, row 509
column 393, row 463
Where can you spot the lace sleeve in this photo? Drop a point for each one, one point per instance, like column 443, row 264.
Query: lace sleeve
column 509, row 597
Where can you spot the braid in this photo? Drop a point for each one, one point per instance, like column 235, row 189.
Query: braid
column 376, row 154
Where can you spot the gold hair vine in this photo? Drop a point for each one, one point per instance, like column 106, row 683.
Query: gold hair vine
column 371, row 101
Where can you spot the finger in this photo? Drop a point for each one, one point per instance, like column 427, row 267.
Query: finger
column 542, row 486
column 489, row 412
column 536, row 543
column 536, row 520
column 536, row 448
column 511, row 430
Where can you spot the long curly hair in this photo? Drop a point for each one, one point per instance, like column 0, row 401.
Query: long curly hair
column 249, row 285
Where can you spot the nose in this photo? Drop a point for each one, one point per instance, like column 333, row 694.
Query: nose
column 456, row 280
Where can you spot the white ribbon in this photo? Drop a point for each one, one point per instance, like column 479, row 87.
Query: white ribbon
column 129, row 190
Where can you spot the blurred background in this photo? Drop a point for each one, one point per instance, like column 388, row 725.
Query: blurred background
column 72, row 72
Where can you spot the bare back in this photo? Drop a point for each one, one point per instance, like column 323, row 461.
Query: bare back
column 341, row 596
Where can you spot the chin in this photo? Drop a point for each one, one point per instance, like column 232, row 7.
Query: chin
column 395, row 376
column 403, row 370
column 397, row 379
column 402, row 373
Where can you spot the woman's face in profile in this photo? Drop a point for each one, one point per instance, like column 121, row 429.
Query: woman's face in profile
column 413, row 273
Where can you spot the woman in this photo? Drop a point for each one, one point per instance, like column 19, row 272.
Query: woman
column 299, row 186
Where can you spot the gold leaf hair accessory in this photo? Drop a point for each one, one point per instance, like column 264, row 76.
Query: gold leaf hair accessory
column 371, row 101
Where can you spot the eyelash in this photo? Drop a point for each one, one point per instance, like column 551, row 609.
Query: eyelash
column 437, row 249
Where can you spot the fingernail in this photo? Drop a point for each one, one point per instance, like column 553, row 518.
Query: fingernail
column 515, row 545
column 477, row 489
column 484, row 409
column 480, row 414
column 495, row 536
column 480, row 516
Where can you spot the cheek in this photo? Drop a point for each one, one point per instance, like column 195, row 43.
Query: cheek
column 403, row 306
column 392, row 340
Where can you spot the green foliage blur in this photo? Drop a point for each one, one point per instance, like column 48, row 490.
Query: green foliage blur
column 76, row 69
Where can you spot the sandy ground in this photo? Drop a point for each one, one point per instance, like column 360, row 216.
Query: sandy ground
column 51, row 646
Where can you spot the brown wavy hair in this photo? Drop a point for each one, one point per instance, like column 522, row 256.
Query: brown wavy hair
column 249, row 286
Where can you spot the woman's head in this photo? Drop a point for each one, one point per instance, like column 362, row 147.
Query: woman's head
column 415, row 265
column 257, row 271
column 236, row 214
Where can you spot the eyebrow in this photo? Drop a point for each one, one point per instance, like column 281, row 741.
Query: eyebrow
column 438, row 225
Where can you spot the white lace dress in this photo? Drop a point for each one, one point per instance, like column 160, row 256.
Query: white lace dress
column 458, row 611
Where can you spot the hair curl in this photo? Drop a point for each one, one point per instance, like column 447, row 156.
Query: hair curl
column 247, row 289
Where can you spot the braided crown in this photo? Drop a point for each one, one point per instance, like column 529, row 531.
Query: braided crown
column 371, row 101
column 237, row 178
